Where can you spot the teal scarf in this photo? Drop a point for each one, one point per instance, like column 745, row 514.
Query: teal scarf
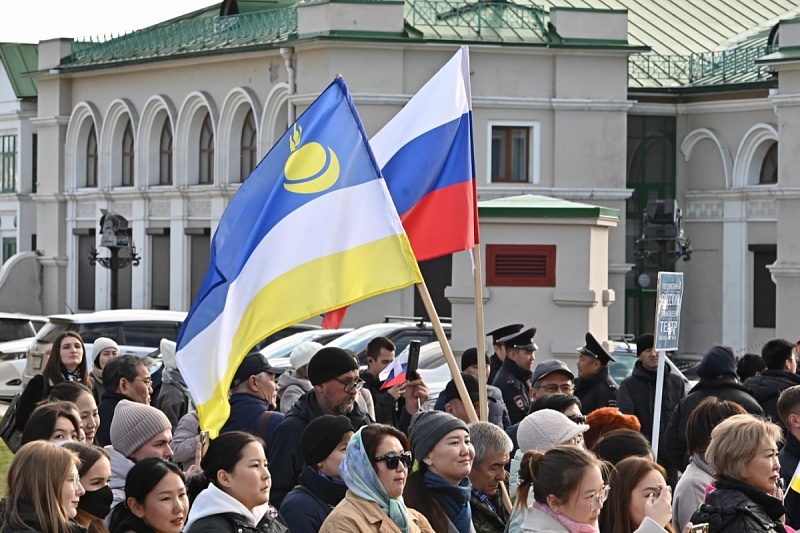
column 360, row 477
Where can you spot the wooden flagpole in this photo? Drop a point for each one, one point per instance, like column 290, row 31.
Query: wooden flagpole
column 481, row 333
column 448, row 351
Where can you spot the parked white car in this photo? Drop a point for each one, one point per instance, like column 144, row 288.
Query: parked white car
column 134, row 330
column 12, row 364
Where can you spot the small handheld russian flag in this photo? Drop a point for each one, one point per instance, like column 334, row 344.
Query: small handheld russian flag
column 395, row 373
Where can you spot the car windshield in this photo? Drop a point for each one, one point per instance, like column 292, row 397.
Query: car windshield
column 285, row 346
column 357, row 340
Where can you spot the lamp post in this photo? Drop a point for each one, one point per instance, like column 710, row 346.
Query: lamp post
column 116, row 236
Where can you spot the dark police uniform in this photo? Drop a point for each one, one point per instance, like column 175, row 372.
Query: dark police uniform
column 599, row 390
column 495, row 362
column 515, row 382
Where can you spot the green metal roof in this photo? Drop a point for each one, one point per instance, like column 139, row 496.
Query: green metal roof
column 19, row 59
column 534, row 206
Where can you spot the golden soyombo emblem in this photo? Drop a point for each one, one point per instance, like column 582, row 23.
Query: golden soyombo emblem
column 310, row 168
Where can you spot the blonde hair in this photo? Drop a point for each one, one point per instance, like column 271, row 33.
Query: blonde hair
column 52, row 466
column 735, row 441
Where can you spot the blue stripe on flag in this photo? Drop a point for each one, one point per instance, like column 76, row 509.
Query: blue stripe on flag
column 245, row 221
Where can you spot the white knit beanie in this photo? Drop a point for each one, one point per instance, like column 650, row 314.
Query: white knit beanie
column 544, row 429
column 303, row 353
column 134, row 424
column 100, row 344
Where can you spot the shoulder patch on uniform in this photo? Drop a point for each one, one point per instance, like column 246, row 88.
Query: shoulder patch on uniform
column 519, row 402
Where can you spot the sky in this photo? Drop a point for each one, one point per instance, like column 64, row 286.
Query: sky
column 31, row 21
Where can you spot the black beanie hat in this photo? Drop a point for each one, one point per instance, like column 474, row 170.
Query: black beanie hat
column 718, row 361
column 321, row 436
column 470, row 357
column 328, row 363
column 644, row 342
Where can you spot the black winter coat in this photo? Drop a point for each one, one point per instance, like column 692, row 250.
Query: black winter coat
column 637, row 396
column 789, row 456
column 597, row 391
column 768, row 386
column 737, row 507
column 285, row 457
column 236, row 523
column 106, row 411
column 723, row 388
column 31, row 522
column 515, row 384
column 309, row 504
column 386, row 407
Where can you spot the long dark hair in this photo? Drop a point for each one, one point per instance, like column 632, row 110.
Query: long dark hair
column 616, row 514
column 223, row 453
column 55, row 370
column 68, row 391
column 415, row 494
column 141, row 480
column 42, row 421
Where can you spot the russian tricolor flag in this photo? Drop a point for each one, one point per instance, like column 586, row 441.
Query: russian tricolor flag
column 427, row 158
column 395, row 373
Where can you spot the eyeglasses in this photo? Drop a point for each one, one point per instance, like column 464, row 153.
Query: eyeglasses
column 578, row 419
column 597, row 500
column 393, row 460
column 552, row 388
column 146, row 381
column 352, row 386
column 76, row 479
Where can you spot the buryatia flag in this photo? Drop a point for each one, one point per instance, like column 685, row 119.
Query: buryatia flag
column 427, row 158
column 395, row 373
column 795, row 483
column 312, row 229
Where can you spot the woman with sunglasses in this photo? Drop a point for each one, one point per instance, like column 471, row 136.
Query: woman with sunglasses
column 375, row 467
column 232, row 495
column 43, row 490
column 440, row 488
column 639, row 492
column 568, row 491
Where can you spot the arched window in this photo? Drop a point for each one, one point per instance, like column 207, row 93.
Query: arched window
column 165, row 155
column 769, row 166
column 91, row 158
column 206, row 167
column 248, row 154
column 127, row 156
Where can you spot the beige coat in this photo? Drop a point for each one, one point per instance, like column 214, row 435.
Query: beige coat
column 355, row 515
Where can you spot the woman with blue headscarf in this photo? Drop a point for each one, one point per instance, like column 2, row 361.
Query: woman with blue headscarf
column 375, row 467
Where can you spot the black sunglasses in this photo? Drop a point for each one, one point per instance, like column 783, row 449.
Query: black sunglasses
column 393, row 460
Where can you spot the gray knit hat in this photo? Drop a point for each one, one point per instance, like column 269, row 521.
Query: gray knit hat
column 546, row 428
column 100, row 344
column 134, row 424
column 429, row 427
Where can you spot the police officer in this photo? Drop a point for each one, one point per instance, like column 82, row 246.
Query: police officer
column 594, row 386
column 499, row 355
column 514, row 377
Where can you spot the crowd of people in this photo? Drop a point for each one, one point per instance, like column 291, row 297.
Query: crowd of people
column 326, row 447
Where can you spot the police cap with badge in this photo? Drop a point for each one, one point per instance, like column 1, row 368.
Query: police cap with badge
column 520, row 341
column 595, row 350
column 505, row 331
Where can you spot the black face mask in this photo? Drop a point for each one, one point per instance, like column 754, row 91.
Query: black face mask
column 97, row 502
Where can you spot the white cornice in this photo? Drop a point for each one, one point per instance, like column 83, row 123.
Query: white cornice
column 60, row 120
column 785, row 100
column 489, row 102
column 579, row 104
column 490, row 192
column 727, row 106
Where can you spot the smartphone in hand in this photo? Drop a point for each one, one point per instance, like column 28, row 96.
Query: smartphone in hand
column 413, row 360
